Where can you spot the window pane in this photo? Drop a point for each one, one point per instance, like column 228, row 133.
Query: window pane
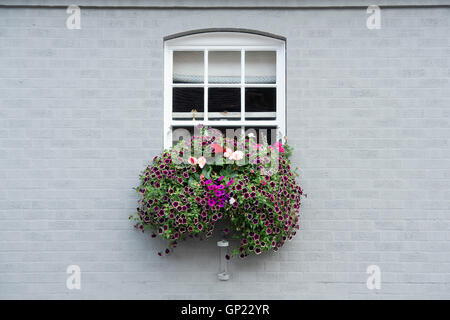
column 186, row 132
column 262, row 134
column 224, row 103
column 260, row 67
column 182, row 133
column 224, row 67
column 231, row 132
column 188, row 67
column 184, row 100
column 260, row 103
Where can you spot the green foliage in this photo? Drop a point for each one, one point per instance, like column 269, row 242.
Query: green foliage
column 260, row 198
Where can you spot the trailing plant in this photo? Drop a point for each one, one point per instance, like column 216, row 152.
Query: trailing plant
column 251, row 184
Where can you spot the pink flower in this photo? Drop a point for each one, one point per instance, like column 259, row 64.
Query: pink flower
column 230, row 182
column 192, row 160
column 217, row 148
column 279, row 145
column 201, row 161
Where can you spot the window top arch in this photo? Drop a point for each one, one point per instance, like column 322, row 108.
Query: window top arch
column 224, row 37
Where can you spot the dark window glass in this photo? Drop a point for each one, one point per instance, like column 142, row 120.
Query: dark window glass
column 262, row 134
column 185, row 100
column 224, row 103
column 260, row 99
column 260, row 103
column 182, row 133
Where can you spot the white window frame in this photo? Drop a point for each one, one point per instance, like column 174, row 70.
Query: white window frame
column 225, row 41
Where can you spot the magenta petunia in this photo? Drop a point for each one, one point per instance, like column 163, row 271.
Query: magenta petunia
column 263, row 202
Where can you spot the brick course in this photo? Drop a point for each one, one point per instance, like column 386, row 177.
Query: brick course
column 368, row 114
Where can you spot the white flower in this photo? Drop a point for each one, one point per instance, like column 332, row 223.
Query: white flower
column 232, row 201
column 237, row 155
column 251, row 135
column 201, row 162
column 228, row 152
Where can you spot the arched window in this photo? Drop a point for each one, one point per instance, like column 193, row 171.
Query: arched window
column 224, row 79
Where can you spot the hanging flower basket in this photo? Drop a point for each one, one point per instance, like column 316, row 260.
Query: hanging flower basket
column 250, row 184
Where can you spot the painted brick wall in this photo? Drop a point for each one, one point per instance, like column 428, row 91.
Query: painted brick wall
column 368, row 113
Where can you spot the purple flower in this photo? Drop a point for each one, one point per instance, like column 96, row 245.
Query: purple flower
column 219, row 193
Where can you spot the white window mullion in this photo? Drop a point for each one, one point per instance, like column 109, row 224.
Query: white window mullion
column 235, row 123
column 280, row 90
column 242, row 85
column 168, row 65
column 205, row 90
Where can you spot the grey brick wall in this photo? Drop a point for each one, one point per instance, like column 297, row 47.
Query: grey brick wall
column 368, row 113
